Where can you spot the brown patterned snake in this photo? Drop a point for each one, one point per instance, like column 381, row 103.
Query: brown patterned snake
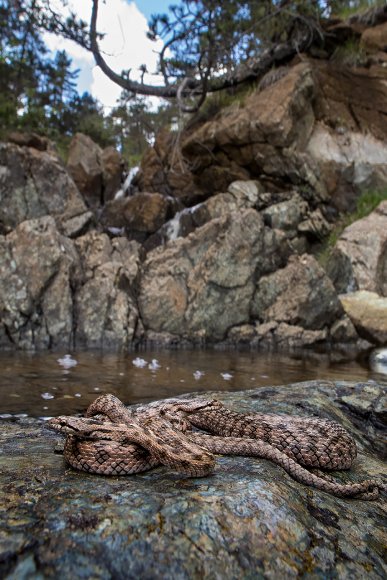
column 111, row 440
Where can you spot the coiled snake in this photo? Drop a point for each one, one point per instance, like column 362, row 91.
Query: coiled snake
column 111, row 440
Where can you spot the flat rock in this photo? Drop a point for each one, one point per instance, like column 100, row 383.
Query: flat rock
column 247, row 520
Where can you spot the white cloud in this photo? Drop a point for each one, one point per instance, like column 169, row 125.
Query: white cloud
column 125, row 46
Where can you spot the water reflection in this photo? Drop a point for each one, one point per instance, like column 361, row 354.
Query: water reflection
column 41, row 385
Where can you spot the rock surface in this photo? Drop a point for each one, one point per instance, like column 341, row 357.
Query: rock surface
column 229, row 212
column 33, row 184
column 359, row 258
column 202, row 285
column 299, row 294
column 248, row 519
column 368, row 312
column 143, row 212
column 57, row 293
column 97, row 172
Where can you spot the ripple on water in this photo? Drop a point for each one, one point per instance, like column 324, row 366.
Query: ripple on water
column 29, row 381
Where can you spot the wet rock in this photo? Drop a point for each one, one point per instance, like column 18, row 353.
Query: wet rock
column 143, row 212
column 202, row 285
column 343, row 331
column 240, row 195
column 249, row 517
column 359, row 258
column 281, row 335
column 368, row 312
column 300, row 294
column 33, row 184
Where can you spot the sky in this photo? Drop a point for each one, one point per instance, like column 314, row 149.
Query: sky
column 125, row 45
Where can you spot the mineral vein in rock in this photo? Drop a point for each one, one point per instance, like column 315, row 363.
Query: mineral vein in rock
column 111, row 440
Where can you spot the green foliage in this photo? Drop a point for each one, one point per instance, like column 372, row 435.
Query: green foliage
column 350, row 54
column 344, row 8
column 35, row 86
column 366, row 203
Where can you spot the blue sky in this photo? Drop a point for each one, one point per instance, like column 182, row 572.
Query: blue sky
column 149, row 7
column 125, row 45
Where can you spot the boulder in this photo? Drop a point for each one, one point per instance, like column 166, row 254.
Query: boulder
column 247, row 519
column 33, row 183
column 113, row 168
column 359, row 258
column 105, row 306
column 375, row 39
column 300, row 294
column 142, row 212
column 281, row 335
column 250, row 138
column 37, row 265
column 286, row 215
column 368, row 312
column 57, row 293
column 202, row 285
column 164, row 170
column 97, row 172
column 83, row 164
column 240, row 195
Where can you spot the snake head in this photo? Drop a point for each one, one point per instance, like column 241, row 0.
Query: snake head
column 73, row 425
column 195, row 405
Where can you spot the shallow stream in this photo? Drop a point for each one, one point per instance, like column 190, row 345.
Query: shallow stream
column 50, row 384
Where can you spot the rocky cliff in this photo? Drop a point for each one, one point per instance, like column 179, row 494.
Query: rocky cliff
column 217, row 241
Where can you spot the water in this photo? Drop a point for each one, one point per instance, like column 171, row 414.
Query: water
column 50, row 384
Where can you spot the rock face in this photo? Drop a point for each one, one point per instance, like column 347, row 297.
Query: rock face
column 142, row 213
column 299, row 294
column 96, row 172
column 359, row 259
column 358, row 269
column 33, row 184
column 105, row 305
column 163, row 170
column 202, row 285
column 35, row 293
column 55, row 293
column 215, row 242
column 248, row 519
column 252, row 137
column 314, row 128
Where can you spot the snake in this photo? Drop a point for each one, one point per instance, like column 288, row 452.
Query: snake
column 186, row 434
